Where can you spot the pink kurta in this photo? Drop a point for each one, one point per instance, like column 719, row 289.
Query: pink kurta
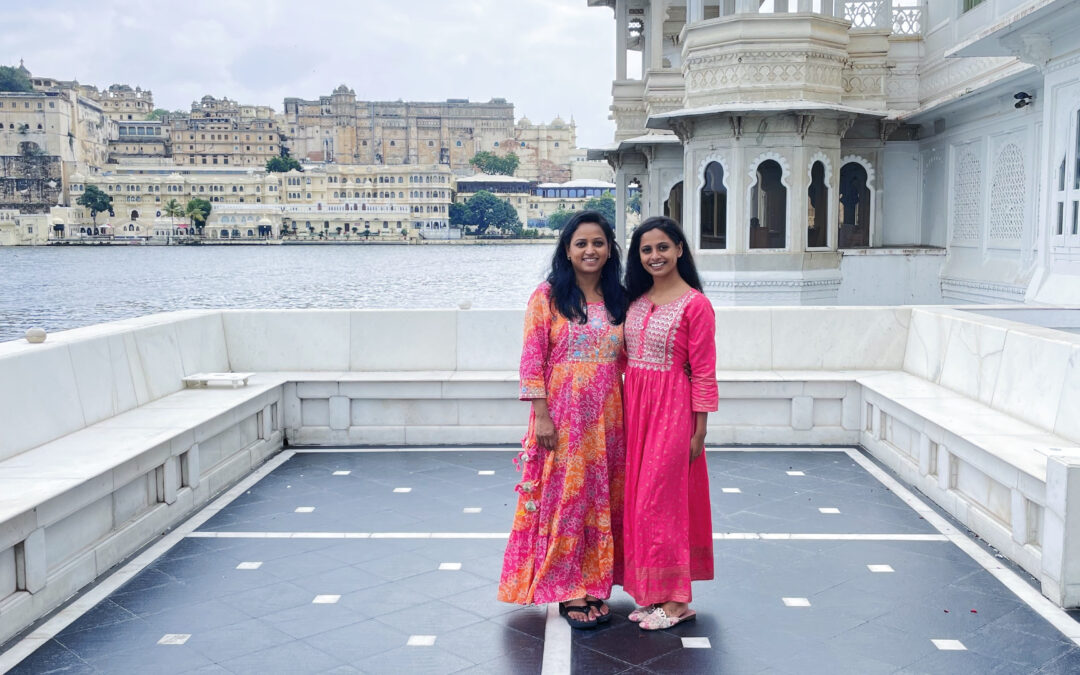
column 565, row 541
column 667, row 536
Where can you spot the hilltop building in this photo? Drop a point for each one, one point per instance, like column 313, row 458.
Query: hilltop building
column 338, row 128
column 222, row 132
column 857, row 151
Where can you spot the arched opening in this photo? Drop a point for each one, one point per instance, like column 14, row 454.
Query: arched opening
column 854, row 207
column 768, row 207
column 673, row 204
column 714, row 208
column 817, row 216
column 134, row 214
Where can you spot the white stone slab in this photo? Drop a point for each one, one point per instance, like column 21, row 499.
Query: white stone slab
column 403, row 340
column 1031, row 378
column 796, row 602
column 450, row 566
column 421, row 641
column 268, row 340
column 880, row 569
column 174, row 639
column 249, row 565
column 499, row 331
column 326, row 599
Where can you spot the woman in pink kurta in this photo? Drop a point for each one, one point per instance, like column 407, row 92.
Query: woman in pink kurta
column 668, row 526
column 565, row 543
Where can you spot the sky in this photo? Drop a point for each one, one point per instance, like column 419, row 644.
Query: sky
column 547, row 57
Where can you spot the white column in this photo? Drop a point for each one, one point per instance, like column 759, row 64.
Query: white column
column 621, row 26
column 806, row 6
column 656, row 34
column 832, row 8
column 746, row 6
column 780, row 6
column 621, row 197
column 695, row 11
column 726, row 7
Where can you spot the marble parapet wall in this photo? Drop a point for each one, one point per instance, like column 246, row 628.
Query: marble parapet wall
column 103, row 449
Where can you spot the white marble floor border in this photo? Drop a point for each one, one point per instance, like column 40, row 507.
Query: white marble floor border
column 62, row 619
column 1057, row 617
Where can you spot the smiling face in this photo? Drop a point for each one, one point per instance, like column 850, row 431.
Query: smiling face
column 659, row 254
column 588, row 250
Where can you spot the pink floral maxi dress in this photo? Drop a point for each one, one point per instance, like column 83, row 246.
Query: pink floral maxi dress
column 565, row 542
column 668, row 522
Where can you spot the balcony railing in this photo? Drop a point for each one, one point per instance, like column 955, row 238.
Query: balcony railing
column 904, row 19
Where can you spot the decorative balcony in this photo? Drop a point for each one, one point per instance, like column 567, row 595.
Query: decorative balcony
column 747, row 58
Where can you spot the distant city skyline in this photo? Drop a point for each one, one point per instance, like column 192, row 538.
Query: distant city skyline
column 547, row 57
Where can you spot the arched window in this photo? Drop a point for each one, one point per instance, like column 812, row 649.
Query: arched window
column 817, row 216
column 768, row 207
column 714, row 208
column 855, row 206
column 134, row 214
column 673, row 204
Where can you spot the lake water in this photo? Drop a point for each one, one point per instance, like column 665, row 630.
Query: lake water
column 60, row 287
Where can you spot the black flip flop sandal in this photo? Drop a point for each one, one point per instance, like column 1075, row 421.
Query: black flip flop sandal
column 598, row 605
column 565, row 610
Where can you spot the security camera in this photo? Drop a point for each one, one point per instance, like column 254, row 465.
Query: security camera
column 1022, row 99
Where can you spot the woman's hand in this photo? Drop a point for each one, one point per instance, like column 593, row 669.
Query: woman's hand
column 697, row 446
column 686, row 369
column 545, row 432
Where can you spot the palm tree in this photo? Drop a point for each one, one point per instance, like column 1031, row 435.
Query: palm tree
column 172, row 211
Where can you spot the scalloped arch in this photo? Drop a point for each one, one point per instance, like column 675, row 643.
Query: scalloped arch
column 864, row 163
column 824, row 159
column 703, row 164
column 785, row 168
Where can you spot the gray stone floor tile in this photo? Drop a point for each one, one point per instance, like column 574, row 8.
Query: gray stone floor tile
column 292, row 657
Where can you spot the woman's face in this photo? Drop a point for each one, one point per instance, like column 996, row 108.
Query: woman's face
column 659, row 254
column 588, row 250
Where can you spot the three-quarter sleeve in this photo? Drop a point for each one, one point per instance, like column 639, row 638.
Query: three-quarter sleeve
column 535, row 349
column 701, row 327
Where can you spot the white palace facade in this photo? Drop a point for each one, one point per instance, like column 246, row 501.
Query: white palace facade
column 857, row 151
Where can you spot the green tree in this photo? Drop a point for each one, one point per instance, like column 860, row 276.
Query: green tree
column 634, row 203
column 605, row 205
column 95, row 200
column 157, row 113
column 490, row 163
column 459, row 215
column 557, row 220
column 486, row 210
column 198, row 210
column 282, row 164
column 13, row 79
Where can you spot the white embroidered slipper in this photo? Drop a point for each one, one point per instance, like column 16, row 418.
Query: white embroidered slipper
column 659, row 620
column 640, row 613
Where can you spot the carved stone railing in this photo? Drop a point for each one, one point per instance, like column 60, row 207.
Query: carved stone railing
column 880, row 14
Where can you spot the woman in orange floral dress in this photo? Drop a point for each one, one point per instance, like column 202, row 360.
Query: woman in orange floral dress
column 565, row 545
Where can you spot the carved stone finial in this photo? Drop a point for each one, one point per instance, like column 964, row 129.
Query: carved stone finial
column 35, row 335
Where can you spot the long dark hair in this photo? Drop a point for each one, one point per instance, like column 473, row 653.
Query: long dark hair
column 638, row 279
column 568, row 298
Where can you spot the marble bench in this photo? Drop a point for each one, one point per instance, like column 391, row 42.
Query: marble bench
column 73, row 507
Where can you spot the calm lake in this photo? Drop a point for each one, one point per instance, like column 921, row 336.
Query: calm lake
column 59, row 287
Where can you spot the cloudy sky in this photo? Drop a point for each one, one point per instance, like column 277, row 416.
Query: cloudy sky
column 548, row 57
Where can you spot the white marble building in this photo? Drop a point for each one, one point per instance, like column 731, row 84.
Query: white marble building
column 857, row 151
